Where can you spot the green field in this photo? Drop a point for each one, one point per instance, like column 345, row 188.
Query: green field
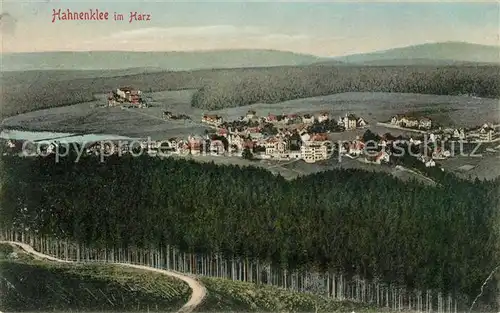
column 27, row 284
column 31, row 285
column 235, row 296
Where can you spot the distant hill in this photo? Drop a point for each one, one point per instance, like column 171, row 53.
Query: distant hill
column 444, row 53
column 176, row 61
column 406, row 62
column 412, row 62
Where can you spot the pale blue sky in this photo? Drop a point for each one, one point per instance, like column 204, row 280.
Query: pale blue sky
column 320, row 28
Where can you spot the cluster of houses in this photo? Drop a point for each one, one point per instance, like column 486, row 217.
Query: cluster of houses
column 288, row 143
column 314, row 147
column 484, row 133
column 380, row 151
column 411, row 122
column 126, row 95
column 349, row 121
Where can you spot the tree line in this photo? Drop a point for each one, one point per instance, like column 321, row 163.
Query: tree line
column 272, row 85
column 220, row 88
column 344, row 221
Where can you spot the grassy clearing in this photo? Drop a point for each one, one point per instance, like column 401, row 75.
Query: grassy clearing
column 235, row 296
column 27, row 284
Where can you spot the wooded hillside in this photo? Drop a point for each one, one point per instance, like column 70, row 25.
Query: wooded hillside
column 348, row 221
column 221, row 88
column 279, row 84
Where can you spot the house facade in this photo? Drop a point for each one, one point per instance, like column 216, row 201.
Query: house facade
column 361, row 122
column 276, row 147
column 251, row 114
column 486, row 134
column 396, row 120
column 323, row 117
column 356, row 148
column 308, row 119
column 129, row 94
column 271, row 118
column 214, row 120
column 313, row 151
column 351, row 121
column 408, row 121
column 216, row 147
column 425, row 123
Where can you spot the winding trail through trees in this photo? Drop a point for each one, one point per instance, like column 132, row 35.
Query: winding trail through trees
column 197, row 296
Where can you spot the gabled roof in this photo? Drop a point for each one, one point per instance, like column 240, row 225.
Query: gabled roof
column 319, row 137
column 211, row 116
column 126, row 88
column 216, row 142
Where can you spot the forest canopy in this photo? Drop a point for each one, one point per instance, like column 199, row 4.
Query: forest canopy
column 222, row 88
column 348, row 221
column 272, row 85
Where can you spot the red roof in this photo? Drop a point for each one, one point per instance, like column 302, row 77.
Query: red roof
column 319, row 137
column 357, row 145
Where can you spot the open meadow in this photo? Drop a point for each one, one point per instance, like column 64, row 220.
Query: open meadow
column 457, row 111
column 30, row 285
column 33, row 285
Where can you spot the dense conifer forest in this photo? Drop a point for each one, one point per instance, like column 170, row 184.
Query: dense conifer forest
column 221, row 88
column 272, row 85
column 348, row 221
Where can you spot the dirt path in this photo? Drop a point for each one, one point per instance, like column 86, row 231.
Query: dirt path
column 197, row 296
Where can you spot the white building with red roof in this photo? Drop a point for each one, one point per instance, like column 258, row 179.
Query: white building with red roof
column 317, row 148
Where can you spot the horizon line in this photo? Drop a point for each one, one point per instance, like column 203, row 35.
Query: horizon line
column 250, row 49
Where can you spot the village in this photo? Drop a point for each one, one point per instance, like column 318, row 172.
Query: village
column 297, row 137
column 283, row 137
column 293, row 137
column 486, row 133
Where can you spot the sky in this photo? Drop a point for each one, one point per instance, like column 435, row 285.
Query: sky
column 318, row 28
